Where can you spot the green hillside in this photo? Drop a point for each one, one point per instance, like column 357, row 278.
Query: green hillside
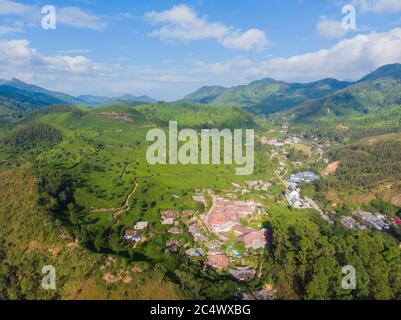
column 372, row 94
column 17, row 98
column 32, row 95
column 266, row 96
column 84, row 179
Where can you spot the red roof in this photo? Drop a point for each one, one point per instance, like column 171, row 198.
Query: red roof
column 218, row 261
column 170, row 214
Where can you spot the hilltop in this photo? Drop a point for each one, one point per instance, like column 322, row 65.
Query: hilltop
column 17, row 98
column 267, row 96
column 375, row 92
column 95, row 101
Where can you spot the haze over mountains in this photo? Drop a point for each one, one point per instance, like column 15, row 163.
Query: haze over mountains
column 97, row 100
column 17, row 97
column 300, row 101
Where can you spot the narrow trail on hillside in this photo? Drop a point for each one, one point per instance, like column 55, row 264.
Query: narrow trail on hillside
column 123, row 208
column 126, row 205
column 126, row 168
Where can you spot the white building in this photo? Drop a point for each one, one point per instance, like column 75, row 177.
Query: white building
column 142, row 225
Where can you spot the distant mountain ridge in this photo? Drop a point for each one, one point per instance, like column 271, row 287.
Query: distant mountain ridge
column 18, row 98
column 33, row 95
column 298, row 101
column 381, row 89
column 267, row 96
column 94, row 101
column 310, row 101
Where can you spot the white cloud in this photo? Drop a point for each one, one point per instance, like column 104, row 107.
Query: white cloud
column 378, row 5
column 80, row 75
column 77, row 64
column 182, row 23
column 249, row 40
column 9, row 29
column 330, row 28
column 349, row 59
column 17, row 56
column 76, row 17
column 71, row 16
column 13, row 8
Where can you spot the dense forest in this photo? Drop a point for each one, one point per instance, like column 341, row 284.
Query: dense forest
column 307, row 260
column 365, row 166
column 32, row 136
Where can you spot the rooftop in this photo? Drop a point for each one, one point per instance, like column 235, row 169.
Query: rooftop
column 218, row 261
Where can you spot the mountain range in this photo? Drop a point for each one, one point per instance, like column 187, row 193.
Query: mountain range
column 18, row 97
column 98, row 100
column 267, row 96
column 299, row 101
column 302, row 101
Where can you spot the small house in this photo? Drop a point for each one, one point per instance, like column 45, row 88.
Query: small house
column 142, row 225
column 168, row 217
column 217, row 261
column 175, row 230
column 172, row 246
column 243, row 274
column 133, row 236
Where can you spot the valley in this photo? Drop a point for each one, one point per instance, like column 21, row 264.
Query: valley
column 77, row 179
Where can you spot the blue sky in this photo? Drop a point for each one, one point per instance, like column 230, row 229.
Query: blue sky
column 167, row 48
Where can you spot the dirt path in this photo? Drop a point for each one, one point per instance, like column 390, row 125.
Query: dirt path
column 126, row 167
column 124, row 208
column 126, row 205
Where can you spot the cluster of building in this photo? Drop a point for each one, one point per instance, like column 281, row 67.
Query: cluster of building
column 290, row 140
column 216, row 234
column 374, row 221
column 302, row 177
column 293, row 193
column 258, row 185
column 351, row 223
column 366, row 220
column 250, row 185
column 224, row 219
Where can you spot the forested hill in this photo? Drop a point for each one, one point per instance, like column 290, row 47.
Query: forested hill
column 267, row 96
column 32, row 95
column 17, row 98
column 373, row 93
column 311, row 102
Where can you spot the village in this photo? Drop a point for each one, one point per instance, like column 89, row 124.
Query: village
column 230, row 236
column 361, row 220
